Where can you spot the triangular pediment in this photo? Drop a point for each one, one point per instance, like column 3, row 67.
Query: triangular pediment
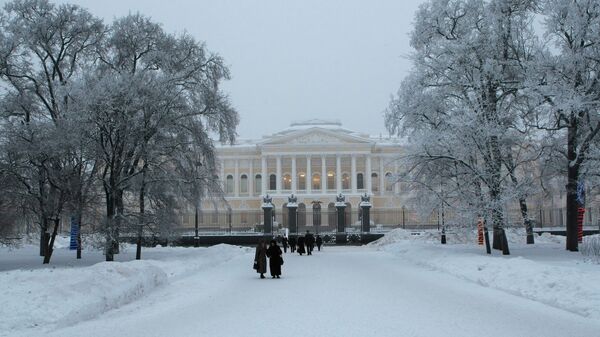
column 315, row 136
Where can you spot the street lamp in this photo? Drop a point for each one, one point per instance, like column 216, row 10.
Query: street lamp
column 196, row 202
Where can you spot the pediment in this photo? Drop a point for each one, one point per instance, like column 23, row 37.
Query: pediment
column 316, row 136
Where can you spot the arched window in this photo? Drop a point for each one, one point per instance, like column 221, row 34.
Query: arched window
column 287, row 182
column 360, row 184
column 272, row 182
column 229, row 184
column 316, row 181
column 389, row 183
column 301, row 181
column 258, row 183
column 244, row 184
column 374, row 182
column 330, row 180
column 345, row 181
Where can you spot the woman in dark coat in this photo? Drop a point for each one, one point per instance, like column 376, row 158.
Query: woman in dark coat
column 301, row 245
column 275, row 259
column 260, row 258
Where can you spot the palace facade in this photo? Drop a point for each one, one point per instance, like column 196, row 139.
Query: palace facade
column 314, row 160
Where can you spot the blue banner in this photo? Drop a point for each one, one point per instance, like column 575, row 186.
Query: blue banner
column 581, row 193
column 74, row 234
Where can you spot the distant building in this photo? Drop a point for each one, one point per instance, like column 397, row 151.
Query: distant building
column 315, row 160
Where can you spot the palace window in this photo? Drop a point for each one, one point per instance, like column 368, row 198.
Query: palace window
column 374, row 182
column 258, row 184
column 272, row 182
column 301, row 181
column 330, row 180
column 389, row 183
column 345, row 181
column 244, row 184
column 360, row 184
column 229, row 184
column 316, row 181
column 287, row 182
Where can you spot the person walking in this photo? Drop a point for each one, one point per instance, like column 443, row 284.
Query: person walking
column 284, row 242
column 275, row 259
column 310, row 243
column 260, row 258
column 292, row 241
column 319, row 242
column 301, row 245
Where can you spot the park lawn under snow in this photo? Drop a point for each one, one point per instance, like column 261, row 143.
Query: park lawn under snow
column 544, row 272
column 62, row 296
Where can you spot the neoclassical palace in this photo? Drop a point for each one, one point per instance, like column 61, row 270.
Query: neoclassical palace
column 315, row 160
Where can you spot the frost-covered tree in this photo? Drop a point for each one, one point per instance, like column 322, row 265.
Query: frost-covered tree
column 461, row 105
column 567, row 87
column 42, row 49
column 150, row 99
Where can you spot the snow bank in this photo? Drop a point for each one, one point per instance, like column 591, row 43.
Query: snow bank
column 64, row 296
column 544, row 272
column 590, row 247
column 459, row 236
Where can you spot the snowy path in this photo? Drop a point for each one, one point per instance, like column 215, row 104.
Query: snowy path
column 338, row 292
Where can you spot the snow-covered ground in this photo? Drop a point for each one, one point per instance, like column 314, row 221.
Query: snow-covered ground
column 403, row 285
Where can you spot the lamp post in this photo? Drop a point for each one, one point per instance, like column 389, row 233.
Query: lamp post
column 197, row 201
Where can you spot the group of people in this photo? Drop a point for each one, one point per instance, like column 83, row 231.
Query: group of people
column 302, row 245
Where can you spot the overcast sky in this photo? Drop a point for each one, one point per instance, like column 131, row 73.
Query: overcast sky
column 294, row 60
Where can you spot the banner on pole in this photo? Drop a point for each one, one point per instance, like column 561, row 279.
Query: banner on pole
column 74, row 234
column 580, row 210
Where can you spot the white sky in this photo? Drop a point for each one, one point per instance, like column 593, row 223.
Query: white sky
column 294, row 60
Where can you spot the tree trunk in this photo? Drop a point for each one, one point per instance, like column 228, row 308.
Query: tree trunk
column 79, row 218
column 572, row 179
column 572, row 206
column 138, row 251
column 50, row 247
column 111, row 219
column 526, row 221
column 44, row 236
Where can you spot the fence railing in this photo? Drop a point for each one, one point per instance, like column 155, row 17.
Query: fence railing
column 325, row 220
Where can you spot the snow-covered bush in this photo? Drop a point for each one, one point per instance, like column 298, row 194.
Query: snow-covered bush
column 590, row 248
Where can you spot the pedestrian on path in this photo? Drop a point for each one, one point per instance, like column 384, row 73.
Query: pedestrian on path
column 310, row 242
column 292, row 241
column 301, row 245
column 284, row 242
column 319, row 242
column 260, row 258
column 275, row 259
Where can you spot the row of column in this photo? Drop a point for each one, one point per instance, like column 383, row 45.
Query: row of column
column 368, row 185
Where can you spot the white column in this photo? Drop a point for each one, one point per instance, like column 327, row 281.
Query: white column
column 338, row 174
column 263, row 173
column 368, row 174
column 251, row 177
column 308, row 175
column 294, row 175
column 279, row 177
column 236, row 179
column 323, row 175
column 353, row 173
column 381, row 177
